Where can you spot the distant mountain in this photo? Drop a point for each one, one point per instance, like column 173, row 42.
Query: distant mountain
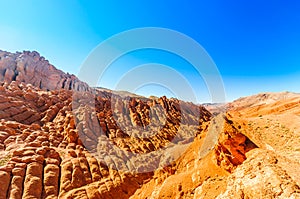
column 120, row 93
column 215, row 108
column 265, row 103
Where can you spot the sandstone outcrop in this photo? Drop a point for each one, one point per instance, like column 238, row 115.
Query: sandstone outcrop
column 31, row 68
column 252, row 153
column 61, row 139
column 54, row 145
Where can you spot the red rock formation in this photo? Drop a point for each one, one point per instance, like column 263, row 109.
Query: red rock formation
column 57, row 143
column 30, row 67
column 47, row 152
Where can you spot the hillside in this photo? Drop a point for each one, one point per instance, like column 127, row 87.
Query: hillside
column 60, row 138
column 31, row 68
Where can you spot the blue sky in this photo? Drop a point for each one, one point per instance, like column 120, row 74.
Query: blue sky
column 255, row 44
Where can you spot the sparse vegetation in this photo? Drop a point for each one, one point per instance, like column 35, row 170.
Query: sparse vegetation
column 4, row 160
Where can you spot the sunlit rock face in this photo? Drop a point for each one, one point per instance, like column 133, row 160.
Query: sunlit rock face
column 31, row 68
column 60, row 138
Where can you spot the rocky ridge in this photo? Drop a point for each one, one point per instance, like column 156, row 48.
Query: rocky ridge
column 44, row 155
column 31, row 68
column 62, row 139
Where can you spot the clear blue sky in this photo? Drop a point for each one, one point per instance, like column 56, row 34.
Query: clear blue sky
column 255, row 44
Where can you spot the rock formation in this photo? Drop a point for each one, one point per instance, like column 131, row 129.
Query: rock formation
column 44, row 155
column 31, row 68
column 61, row 139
